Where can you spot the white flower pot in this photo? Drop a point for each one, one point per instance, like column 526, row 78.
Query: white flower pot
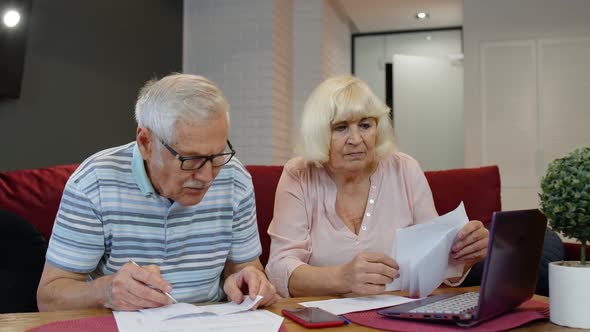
column 569, row 294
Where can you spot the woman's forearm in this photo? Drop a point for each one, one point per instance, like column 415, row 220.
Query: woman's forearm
column 307, row 280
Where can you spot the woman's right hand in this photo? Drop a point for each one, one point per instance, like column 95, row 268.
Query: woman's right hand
column 369, row 272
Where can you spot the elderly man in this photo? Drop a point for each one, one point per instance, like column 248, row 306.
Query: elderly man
column 172, row 212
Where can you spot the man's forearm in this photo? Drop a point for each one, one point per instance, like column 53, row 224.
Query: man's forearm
column 67, row 294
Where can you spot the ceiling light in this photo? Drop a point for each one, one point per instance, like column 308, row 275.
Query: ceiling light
column 422, row 15
column 11, row 18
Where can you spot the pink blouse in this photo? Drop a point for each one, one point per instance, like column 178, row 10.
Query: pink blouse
column 307, row 230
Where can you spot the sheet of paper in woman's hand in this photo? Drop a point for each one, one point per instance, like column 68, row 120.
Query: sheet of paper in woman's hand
column 422, row 252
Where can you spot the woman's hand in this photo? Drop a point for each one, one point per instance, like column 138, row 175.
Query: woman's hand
column 369, row 272
column 472, row 243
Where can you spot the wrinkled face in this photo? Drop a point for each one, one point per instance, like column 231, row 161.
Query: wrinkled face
column 193, row 138
column 352, row 147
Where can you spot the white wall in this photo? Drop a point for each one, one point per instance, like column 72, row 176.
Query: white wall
column 321, row 49
column 282, row 54
column 427, row 96
column 231, row 43
column 307, row 54
column 372, row 51
column 428, row 110
column 267, row 56
column 527, row 68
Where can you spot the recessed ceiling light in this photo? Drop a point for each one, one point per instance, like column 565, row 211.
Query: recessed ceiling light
column 11, row 18
column 422, row 15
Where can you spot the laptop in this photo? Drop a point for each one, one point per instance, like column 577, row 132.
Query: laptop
column 509, row 275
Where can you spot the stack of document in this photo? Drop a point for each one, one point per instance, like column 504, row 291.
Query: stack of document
column 422, row 252
column 187, row 317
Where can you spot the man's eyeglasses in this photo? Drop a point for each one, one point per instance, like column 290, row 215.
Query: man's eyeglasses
column 196, row 162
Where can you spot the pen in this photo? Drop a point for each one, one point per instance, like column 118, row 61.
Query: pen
column 163, row 292
column 346, row 321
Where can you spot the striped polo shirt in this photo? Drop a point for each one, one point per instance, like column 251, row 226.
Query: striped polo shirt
column 110, row 213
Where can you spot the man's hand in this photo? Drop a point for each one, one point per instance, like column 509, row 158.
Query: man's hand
column 472, row 243
column 369, row 272
column 253, row 281
column 134, row 288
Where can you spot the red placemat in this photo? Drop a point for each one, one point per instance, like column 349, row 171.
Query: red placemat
column 91, row 324
column 525, row 313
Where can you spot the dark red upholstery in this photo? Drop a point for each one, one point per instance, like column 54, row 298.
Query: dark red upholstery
column 478, row 188
column 265, row 179
column 35, row 195
column 573, row 251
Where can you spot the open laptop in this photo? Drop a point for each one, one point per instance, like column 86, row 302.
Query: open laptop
column 509, row 275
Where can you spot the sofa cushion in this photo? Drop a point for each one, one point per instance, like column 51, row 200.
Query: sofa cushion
column 478, row 188
column 265, row 179
column 573, row 251
column 35, row 194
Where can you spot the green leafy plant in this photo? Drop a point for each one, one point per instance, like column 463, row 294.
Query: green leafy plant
column 565, row 196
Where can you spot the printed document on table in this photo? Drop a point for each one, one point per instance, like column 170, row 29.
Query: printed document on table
column 354, row 304
column 182, row 317
column 184, row 309
column 422, row 252
column 247, row 321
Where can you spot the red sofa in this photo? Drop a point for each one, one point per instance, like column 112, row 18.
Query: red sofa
column 34, row 194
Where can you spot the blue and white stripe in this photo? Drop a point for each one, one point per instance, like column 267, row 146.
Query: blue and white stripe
column 109, row 214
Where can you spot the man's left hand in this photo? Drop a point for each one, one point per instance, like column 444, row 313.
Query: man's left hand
column 255, row 282
column 472, row 243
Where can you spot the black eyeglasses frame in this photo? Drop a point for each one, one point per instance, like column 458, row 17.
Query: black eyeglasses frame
column 209, row 158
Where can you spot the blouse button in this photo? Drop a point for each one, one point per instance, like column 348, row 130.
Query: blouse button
column 368, row 214
column 371, row 201
column 364, row 228
column 374, row 187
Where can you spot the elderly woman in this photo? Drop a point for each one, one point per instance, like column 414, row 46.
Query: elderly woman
column 338, row 205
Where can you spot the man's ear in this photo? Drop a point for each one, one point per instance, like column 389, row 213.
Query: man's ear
column 145, row 143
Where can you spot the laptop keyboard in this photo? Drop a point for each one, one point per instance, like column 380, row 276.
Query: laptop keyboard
column 453, row 305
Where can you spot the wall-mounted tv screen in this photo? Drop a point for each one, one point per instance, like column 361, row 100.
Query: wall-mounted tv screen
column 14, row 22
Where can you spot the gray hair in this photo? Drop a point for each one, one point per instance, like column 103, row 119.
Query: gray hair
column 162, row 103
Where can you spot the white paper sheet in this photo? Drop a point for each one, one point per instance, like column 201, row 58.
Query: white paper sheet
column 422, row 252
column 247, row 321
column 231, row 307
column 353, row 304
column 184, row 309
column 215, row 317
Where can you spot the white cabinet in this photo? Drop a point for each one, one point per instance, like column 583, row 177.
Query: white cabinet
column 535, row 103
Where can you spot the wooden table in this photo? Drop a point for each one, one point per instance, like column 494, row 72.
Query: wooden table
column 23, row 321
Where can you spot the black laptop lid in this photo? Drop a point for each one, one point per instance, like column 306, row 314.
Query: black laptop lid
column 511, row 268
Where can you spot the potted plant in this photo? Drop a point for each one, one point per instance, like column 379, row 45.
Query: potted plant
column 565, row 200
